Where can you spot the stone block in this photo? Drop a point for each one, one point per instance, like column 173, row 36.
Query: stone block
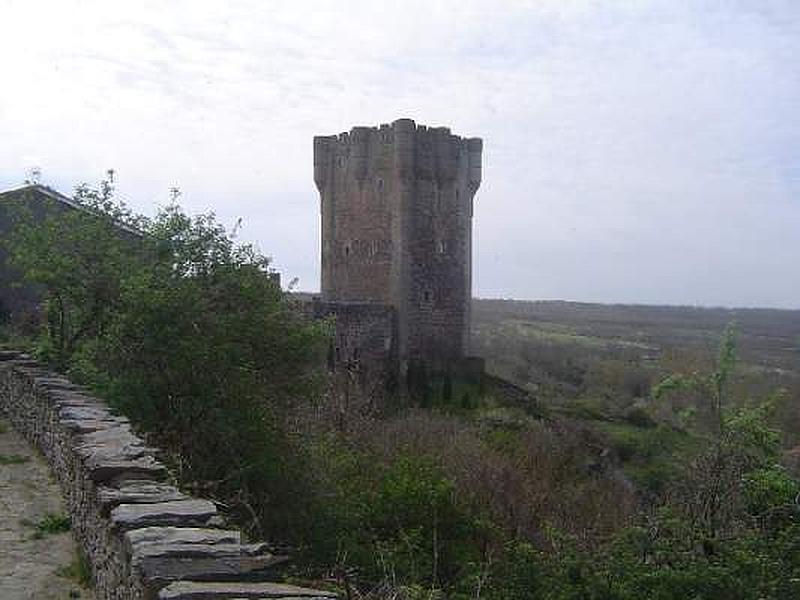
column 192, row 512
column 192, row 590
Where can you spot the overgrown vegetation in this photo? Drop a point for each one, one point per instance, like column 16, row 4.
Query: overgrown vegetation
column 52, row 524
column 642, row 473
column 186, row 332
column 13, row 459
column 78, row 571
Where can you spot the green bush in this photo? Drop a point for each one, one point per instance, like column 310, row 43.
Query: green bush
column 53, row 523
column 187, row 333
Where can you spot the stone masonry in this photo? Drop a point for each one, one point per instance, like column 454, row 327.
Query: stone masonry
column 143, row 538
column 396, row 204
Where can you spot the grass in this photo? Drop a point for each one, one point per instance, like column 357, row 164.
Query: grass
column 78, row 571
column 13, row 459
column 649, row 455
column 558, row 333
column 3, row 428
column 50, row 524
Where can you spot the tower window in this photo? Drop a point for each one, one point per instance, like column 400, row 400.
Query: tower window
column 426, row 295
column 458, row 194
column 441, row 246
column 380, row 184
column 340, row 161
column 347, row 249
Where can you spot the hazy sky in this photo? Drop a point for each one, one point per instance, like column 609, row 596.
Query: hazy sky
column 634, row 151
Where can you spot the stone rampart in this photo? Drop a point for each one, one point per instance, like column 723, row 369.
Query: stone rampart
column 143, row 538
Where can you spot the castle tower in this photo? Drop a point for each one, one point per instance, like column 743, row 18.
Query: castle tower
column 396, row 203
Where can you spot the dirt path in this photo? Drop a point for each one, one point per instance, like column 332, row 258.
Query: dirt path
column 35, row 563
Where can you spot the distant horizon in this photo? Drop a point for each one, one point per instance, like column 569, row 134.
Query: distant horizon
column 601, row 303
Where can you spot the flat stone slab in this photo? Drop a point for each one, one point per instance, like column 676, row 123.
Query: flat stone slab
column 115, row 443
column 180, row 535
column 82, row 426
column 73, row 398
column 105, row 469
column 118, row 433
column 75, row 413
column 137, row 492
column 177, row 550
column 113, row 450
column 179, row 512
column 159, row 571
column 193, row 590
column 53, row 382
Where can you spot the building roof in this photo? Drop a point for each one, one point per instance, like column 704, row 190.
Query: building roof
column 44, row 190
column 52, row 194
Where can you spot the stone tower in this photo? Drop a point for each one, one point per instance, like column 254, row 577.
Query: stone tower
column 396, row 203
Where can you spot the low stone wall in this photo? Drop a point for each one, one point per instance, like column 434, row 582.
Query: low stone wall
column 143, row 538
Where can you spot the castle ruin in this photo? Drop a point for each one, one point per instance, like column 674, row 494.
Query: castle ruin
column 396, row 204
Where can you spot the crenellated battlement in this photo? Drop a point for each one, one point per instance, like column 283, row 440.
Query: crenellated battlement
column 417, row 151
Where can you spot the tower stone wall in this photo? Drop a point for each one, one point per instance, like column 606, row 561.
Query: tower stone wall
column 396, row 205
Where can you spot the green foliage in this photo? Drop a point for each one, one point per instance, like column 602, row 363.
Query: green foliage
column 713, row 387
column 447, row 389
column 400, row 521
column 768, row 488
column 78, row 570
column 185, row 331
column 13, row 459
column 50, row 524
column 79, row 258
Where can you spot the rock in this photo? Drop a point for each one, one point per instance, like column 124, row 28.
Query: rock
column 158, row 571
column 191, row 512
column 59, row 383
column 80, row 426
column 137, row 492
column 192, row 590
column 179, row 535
column 182, row 550
column 105, row 469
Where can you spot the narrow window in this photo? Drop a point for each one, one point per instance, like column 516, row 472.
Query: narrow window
column 341, row 162
column 347, row 249
column 427, row 296
column 380, row 184
column 458, row 194
column 441, row 247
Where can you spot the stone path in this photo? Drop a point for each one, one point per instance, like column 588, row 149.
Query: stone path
column 33, row 566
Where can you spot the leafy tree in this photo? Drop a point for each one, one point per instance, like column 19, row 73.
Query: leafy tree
column 185, row 331
column 78, row 257
column 712, row 387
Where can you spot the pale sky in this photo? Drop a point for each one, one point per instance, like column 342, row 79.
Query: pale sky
column 634, row 151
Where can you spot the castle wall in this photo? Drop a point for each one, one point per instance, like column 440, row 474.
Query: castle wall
column 364, row 336
column 353, row 172
column 396, row 203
